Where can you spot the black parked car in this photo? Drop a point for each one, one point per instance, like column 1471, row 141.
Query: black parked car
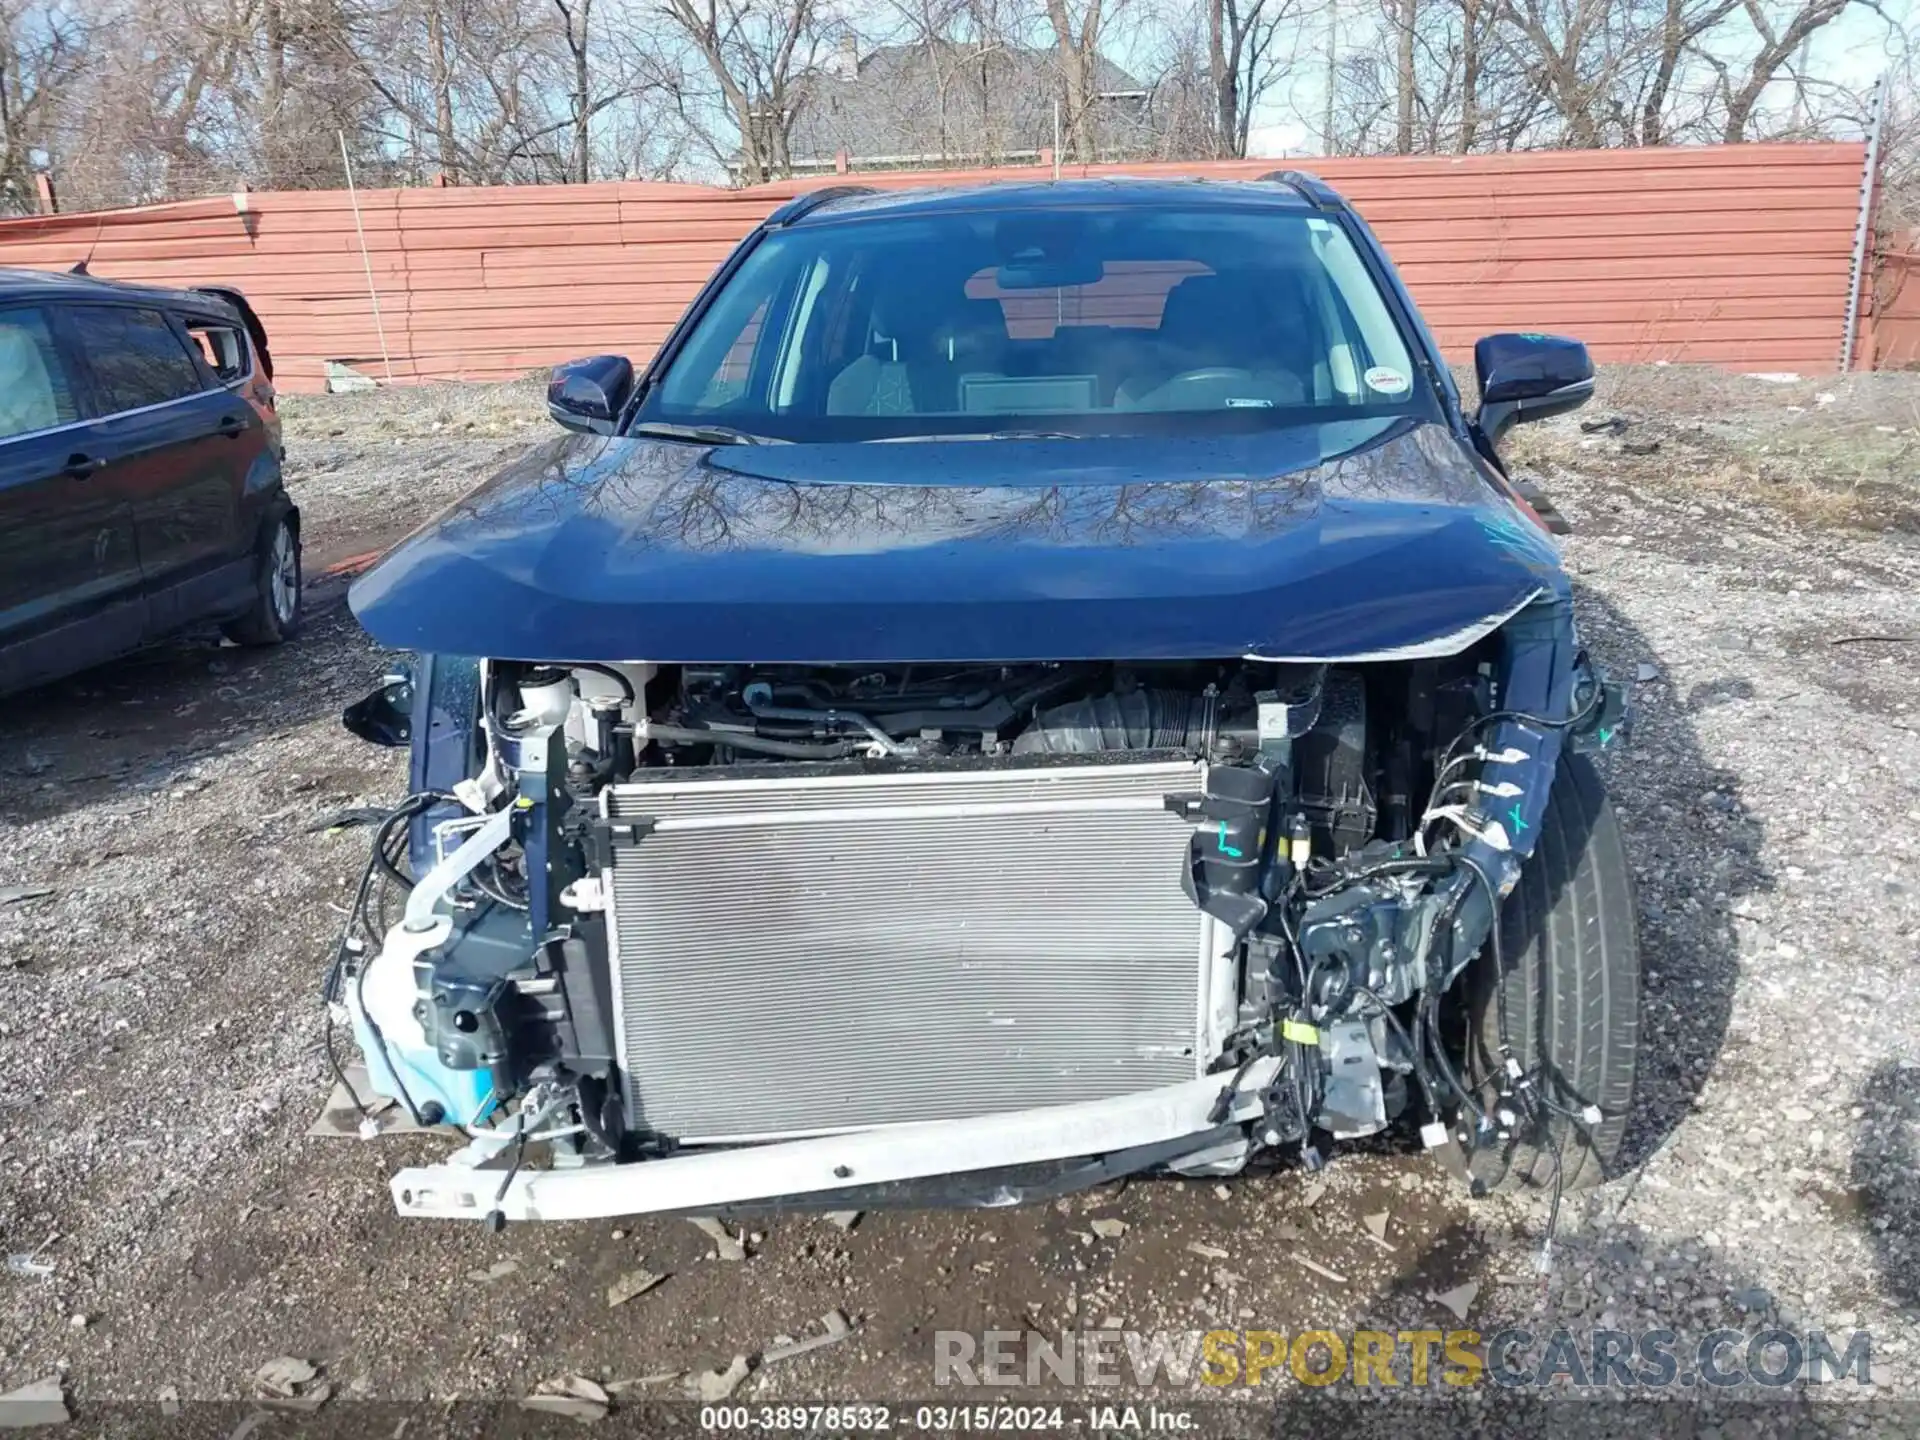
column 1029, row 684
column 140, row 486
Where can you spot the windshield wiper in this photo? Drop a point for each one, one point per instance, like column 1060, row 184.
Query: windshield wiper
column 987, row 435
column 700, row 434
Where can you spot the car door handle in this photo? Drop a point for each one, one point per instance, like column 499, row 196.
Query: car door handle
column 231, row 426
column 81, row 466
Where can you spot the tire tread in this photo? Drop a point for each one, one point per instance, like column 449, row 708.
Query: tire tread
column 1572, row 984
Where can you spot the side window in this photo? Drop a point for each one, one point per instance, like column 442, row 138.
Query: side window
column 222, row 347
column 135, row 357
column 34, row 391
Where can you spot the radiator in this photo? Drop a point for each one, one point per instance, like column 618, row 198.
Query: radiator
column 810, row 953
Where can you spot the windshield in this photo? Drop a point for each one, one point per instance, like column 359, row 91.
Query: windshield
column 1076, row 322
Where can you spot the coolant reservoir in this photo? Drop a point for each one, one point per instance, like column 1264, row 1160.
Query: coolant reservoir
column 546, row 699
column 600, row 692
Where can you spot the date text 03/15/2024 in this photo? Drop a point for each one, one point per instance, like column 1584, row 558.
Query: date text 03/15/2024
column 984, row 1418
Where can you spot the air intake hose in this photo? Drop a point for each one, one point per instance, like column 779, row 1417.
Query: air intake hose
column 1138, row 720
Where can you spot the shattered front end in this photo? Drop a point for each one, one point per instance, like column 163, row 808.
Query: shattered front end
column 686, row 938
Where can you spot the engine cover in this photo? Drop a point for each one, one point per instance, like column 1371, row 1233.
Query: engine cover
column 808, row 952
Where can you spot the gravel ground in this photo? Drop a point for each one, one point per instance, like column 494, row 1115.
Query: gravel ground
column 160, row 1041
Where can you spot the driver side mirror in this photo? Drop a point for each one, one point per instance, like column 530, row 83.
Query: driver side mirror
column 1525, row 377
column 589, row 395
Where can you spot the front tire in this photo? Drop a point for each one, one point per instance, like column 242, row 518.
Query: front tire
column 275, row 613
column 1571, row 990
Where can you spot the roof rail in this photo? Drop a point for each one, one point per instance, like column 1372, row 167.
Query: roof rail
column 1310, row 187
column 805, row 204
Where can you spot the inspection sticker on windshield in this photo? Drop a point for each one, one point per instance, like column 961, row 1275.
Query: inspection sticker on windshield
column 1386, row 379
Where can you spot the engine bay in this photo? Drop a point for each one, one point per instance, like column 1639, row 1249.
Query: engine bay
column 768, row 854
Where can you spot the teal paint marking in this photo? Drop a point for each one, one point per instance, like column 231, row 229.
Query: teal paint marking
column 1517, row 539
column 1605, row 736
column 1226, row 849
column 1518, row 823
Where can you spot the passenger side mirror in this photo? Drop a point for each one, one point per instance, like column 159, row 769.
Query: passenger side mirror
column 1526, row 377
column 384, row 716
column 588, row 395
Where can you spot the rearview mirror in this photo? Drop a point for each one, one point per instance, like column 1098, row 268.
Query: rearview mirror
column 588, row 395
column 1525, row 377
column 1042, row 274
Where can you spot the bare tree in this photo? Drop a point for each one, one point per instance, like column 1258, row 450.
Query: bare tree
column 1778, row 41
column 1243, row 63
column 576, row 16
column 133, row 100
column 755, row 52
column 1076, row 38
column 1406, row 18
column 42, row 51
column 1682, row 24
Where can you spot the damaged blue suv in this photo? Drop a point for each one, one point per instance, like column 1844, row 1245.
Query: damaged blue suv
column 1031, row 684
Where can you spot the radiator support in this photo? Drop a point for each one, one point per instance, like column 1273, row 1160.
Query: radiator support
column 810, row 952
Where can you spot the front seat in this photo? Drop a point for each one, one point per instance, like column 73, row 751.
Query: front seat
column 880, row 381
column 27, row 401
column 970, row 344
column 1212, row 323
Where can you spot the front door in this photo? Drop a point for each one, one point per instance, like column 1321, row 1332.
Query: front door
column 69, row 572
column 164, row 419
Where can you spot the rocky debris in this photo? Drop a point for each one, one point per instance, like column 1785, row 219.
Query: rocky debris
column 307, row 1400
column 630, row 1285
column 644, row 1382
column 499, row 1270
column 835, row 1328
column 1108, row 1229
column 1206, row 1252
column 38, row 1403
column 845, row 1219
column 1307, row 1263
column 712, row 1385
column 574, row 1396
column 169, row 1398
column 284, row 1376
column 1458, row 1299
column 1751, row 1299
column 725, row 1245
column 291, row 1383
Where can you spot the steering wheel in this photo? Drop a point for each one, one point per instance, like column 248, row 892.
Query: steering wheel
column 1206, row 373
column 1168, row 391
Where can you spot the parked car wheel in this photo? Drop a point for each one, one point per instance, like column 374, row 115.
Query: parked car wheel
column 275, row 614
column 1571, row 990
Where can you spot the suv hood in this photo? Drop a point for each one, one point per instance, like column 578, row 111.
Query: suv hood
column 602, row 549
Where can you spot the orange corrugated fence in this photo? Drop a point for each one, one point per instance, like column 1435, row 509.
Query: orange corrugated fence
column 1894, row 339
column 1733, row 255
